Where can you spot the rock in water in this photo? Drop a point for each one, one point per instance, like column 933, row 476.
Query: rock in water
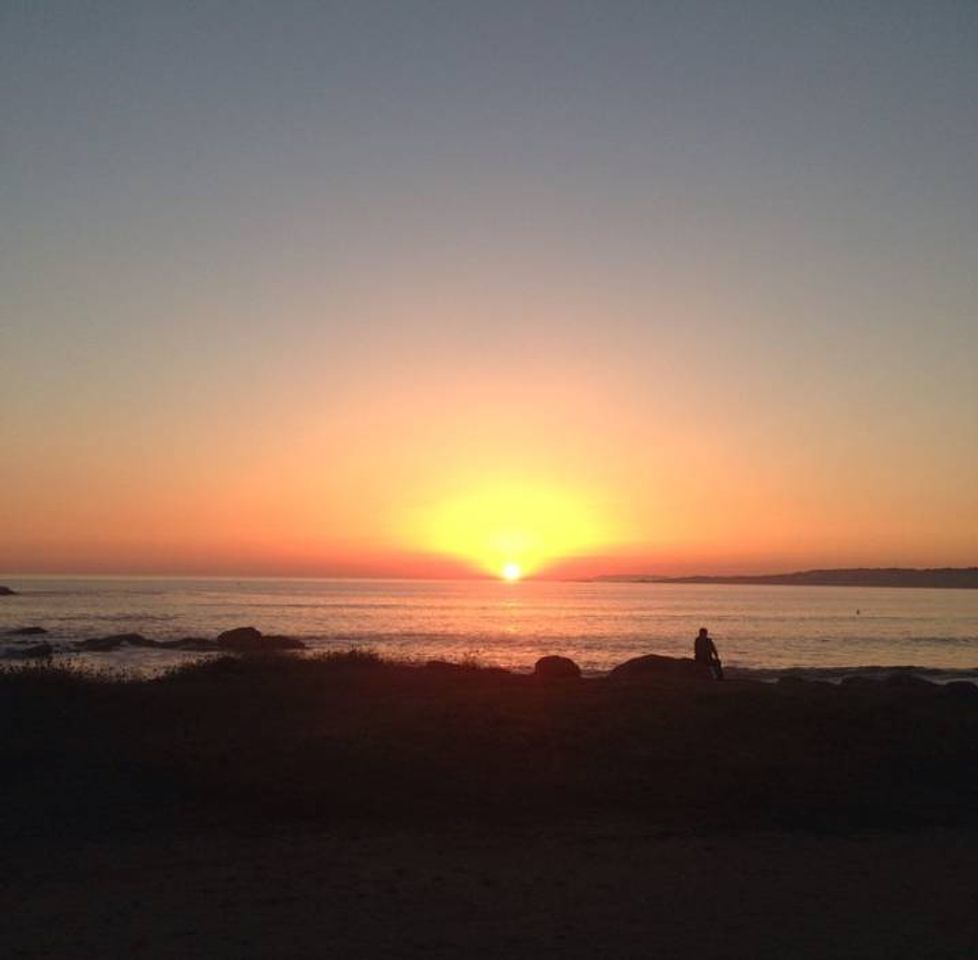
column 102, row 644
column 37, row 651
column 652, row 665
column 556, row 668
column 250, row 639
column 240, row 638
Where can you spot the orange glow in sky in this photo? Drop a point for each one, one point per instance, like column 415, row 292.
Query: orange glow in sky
column 490, row 294
column 512, row 530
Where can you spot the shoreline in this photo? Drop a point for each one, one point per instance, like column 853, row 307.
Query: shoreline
column 136, row 661
column 132, row 654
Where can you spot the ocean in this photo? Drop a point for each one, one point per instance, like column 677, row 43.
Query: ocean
column 761, row 631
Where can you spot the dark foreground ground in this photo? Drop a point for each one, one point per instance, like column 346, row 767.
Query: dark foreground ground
column 348, row 808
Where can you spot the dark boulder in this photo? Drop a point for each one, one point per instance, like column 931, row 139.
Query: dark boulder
column 240, row 638
column 7, row 592
column 37, row 651
column 27, row 632
column 556, row 668
column 653, row 666
column 103, row 644
column 251, row 640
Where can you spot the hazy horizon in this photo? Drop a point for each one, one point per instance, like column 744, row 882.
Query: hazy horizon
column 564, row 289
column 462, row 572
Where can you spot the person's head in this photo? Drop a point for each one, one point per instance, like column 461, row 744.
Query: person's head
column 704, row 632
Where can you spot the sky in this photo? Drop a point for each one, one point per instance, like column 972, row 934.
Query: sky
column 429, row 288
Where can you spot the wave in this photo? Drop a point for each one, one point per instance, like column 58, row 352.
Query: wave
column 838, row 674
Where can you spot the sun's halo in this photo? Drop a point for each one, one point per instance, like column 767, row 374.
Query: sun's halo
column 511, row 572
column 508, row 530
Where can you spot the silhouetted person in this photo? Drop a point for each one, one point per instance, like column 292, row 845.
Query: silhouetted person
column 705, row 652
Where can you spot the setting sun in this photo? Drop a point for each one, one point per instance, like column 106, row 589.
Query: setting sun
column 512, row 572
column 512, row 529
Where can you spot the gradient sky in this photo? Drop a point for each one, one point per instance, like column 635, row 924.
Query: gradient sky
column 404, row 288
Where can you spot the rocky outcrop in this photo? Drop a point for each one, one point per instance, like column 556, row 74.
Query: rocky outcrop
column 653, row 666
column 36, row 651
column 252, row 640
column 239, row 640
column 102, row 644
column 27, row 632
column 7, row 592
column 556, row 668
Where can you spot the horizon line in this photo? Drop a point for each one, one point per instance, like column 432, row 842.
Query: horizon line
column 600, row 577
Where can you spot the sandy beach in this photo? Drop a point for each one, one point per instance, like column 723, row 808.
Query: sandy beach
column 586, row 890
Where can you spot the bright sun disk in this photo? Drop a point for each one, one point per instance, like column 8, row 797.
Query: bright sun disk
column 509, row 530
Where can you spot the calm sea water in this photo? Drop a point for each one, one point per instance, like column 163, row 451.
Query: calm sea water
column 761, row 630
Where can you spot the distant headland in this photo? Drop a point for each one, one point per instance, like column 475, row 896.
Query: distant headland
column 958, row 578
